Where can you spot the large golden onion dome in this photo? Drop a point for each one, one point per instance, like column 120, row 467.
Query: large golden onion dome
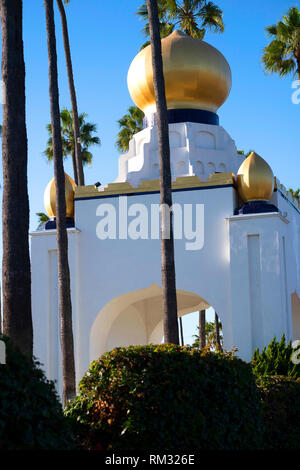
column 50, row 197
column 196, row 75
column 255, row 180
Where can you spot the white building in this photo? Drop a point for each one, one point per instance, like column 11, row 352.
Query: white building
column 243, row 259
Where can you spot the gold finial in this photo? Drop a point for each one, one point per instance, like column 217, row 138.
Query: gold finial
column 196, row 75
column 50, row 197
column 255, row 180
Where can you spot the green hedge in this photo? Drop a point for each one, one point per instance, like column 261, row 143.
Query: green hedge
column 281, row 412
column 31, row 416
column 167, row 398
column 275, row 359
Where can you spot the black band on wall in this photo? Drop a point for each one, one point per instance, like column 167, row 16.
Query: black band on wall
column 185, row 115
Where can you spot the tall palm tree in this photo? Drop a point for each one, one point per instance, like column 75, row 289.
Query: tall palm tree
column 282, row 55
column 202, row 329
column 87, row 139
column 167, row 242
column 65, row 306
column 16, row 276
column 194, row 17
column 76, row 124
column 130, row 124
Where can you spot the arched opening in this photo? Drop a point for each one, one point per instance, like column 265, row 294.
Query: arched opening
column 136, row 318
column 205, row 140
column 199, row 168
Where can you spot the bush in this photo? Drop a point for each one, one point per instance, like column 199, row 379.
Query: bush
column 275, row 359
column 31, row 416
column 281, row 412
column 167, row 398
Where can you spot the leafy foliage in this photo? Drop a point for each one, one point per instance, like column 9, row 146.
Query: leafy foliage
column 194, row 17
column 42, row 218
column 31, row 416
column 281, row 412
column 275, row 359
column 246, row 154
column 295, row 193
column 210, row 336
column 130, row 124
column 165, row 398
column 282, row 55
column 87, row 139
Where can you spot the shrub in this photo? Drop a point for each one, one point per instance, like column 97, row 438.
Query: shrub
column 281, row 412
column 31, row 416
column 167, row 398
column 275, row 359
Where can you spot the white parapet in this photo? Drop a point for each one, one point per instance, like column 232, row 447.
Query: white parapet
column 196, row 149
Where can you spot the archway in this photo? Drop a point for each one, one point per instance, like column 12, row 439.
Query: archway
column 136, row 318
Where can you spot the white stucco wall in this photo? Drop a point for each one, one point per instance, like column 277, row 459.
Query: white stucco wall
column 247, row 270
column 196, row 149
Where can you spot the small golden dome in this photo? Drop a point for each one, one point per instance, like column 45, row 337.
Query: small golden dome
column 50, row 197
column 255, row 179
column 196, row 75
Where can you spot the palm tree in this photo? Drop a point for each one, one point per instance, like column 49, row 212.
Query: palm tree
column 202, row 331
column 130, row 124
column 217, row 332
column 87, row 139
column 167, row 242
column 282, row 55
column 213, row 338
column 194, row 17
column 16, row 276
column 76, row 124
column 65, row 306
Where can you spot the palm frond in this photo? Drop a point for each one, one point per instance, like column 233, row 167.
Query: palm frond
column 274, row 59
column 130, row 124
column 42, row 218
column 87, row 129
column 282, row 54
column 194, row 17
column 212, row 18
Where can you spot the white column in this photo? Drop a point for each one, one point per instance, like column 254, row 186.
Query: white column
column 259, row 287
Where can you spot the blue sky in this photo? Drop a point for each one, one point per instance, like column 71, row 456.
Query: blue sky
column 106, row 35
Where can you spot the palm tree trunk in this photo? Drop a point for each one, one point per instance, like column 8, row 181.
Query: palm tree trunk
column 167, row 243
column 202, row 335
column 65, row 307
column 17, row 320
column 181, row 331
column 217, row 328
column 74, row 167
column 76, row 126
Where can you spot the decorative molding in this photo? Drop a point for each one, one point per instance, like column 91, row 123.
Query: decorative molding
column 182, row 182
column 294, row 201
column 257, row 216
column 52, row 232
